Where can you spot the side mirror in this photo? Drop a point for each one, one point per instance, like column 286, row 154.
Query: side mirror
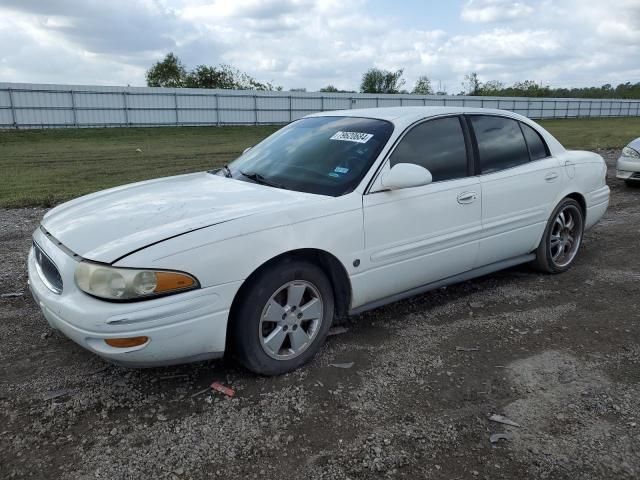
column 246, row 150
column 406, row 175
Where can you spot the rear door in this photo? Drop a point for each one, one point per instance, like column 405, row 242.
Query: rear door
column 519, row 182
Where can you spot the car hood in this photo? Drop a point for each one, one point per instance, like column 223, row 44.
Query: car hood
column 108, row 225
column 635, row 144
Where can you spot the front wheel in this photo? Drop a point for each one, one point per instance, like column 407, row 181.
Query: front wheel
column 283, row 317
column 561, row 239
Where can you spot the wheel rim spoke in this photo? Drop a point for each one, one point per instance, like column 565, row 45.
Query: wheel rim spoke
column 298, row 338
column 311, row 310
column 275, row 340
column 294, row 294
column 274, row 312
column 570, row 223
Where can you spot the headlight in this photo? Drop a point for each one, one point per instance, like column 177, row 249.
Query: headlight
column 113, row 283
column 630, row 152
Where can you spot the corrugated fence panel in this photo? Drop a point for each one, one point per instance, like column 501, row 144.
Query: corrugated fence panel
column 101, row 117
column 41, row 106
column 5, row 101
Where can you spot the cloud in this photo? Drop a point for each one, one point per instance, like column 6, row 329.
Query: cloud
column 312, row 43
column 489, row 11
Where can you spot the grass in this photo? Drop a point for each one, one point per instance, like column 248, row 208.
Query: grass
column 594, row 133
column 45, row 167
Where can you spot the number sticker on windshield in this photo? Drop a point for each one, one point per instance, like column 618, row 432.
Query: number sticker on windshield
column 357, row 137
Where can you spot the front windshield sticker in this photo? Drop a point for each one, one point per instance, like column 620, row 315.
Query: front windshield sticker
column 341, row 170
column 357, row 137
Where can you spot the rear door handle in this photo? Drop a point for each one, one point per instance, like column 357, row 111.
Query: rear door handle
column 551, row 176
column 467, row 197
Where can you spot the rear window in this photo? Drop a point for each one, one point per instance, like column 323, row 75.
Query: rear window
column 537, row 147
column 500, row 143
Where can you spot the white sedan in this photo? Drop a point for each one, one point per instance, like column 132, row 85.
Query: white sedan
column 334, row 214
column 628, row 165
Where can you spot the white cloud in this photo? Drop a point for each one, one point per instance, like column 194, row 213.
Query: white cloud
column 488, row 11
column 311, row 43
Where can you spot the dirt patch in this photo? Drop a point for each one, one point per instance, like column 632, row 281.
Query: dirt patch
column 560, row 355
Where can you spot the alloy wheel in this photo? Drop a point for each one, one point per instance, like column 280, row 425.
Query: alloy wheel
column 565, row 236
column 291, row 320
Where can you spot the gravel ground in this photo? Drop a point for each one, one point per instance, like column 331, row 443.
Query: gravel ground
column 559, row 355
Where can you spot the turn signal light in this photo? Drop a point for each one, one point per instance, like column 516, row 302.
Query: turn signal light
column 126, row 342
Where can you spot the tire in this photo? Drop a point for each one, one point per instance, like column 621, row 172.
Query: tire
column 566, row 223
column 272, row 331
column 632, row 183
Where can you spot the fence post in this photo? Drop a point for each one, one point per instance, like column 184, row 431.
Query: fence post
column 322, row 103
column 126, row 108
column 255, row 107
column 290, row 109
column 175, row 104
column 215, row 95
column 13, row 109
column 73, row 109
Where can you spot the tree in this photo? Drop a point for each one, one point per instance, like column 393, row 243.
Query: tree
column 471, row 84
column 376, row 80
column 170, row 72
column 204, row 76
column 423, row 86
column 223, row 76
column 329, row 89
column 491, row 88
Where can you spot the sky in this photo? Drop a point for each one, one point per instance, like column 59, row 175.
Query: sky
column 313, row 43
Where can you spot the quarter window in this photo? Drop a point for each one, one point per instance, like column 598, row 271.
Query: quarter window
column 500, row 143
column 537, row 147
column 437, row 145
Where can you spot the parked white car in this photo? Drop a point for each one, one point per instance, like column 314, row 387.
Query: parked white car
column 334, row 214
column 628, row 165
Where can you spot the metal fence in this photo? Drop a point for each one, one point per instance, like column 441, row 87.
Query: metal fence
column 50, row 106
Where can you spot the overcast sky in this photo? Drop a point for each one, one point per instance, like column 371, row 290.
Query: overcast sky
column 312, row 43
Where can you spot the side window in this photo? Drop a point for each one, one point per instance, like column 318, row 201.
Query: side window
column 437, row 145
column 537, row 147
column 500, row 143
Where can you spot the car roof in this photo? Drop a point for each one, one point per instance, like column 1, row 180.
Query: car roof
column 402, row 116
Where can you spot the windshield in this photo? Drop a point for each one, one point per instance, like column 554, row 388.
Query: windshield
column 321, row 155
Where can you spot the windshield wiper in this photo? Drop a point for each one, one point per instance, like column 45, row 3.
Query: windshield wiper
column 256, row 177
column 227, row 171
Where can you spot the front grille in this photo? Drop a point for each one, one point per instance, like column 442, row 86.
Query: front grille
column 47, row 270
column 635, row 176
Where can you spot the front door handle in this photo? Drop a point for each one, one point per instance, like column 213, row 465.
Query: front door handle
column 551, row 176
column 467, row 197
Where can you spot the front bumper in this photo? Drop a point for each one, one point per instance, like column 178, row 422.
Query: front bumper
column 628, row 168
column 181, row 328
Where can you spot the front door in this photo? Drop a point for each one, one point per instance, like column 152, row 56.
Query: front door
column 415, row 236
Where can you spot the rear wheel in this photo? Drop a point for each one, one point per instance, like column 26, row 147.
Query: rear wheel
column 283, row 317
column 561, row 239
